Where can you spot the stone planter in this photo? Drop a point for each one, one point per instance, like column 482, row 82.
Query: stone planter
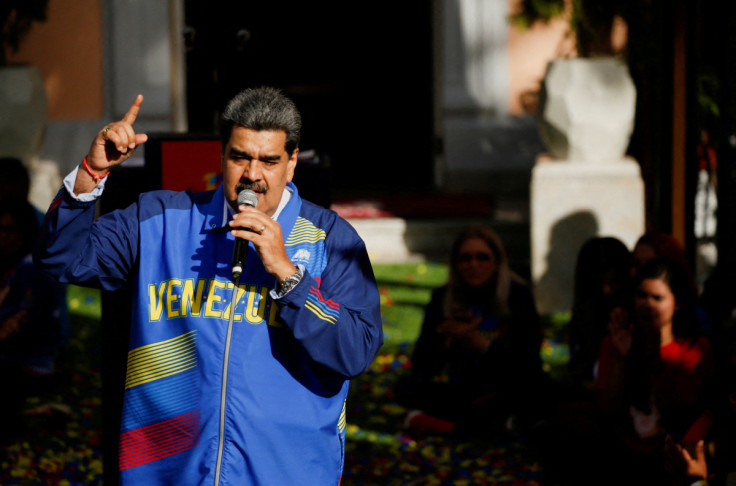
column 23, row 118
column 587, row 109
column 23, row 112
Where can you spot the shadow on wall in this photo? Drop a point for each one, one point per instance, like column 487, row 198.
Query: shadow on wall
column 554, row 289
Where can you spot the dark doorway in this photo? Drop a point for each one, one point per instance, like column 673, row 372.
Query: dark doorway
column 362, row 78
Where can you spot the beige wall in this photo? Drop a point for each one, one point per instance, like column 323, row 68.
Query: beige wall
column 67, row 48
column 529, row 52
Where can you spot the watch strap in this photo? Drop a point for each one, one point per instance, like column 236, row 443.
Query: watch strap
column 285, row 285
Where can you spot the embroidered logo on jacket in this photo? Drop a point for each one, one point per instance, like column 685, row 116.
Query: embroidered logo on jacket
column 301, row 256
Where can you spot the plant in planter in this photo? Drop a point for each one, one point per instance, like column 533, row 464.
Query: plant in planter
column 592, row 24
column 16, row 19
column 588, row 99
column 22, row 94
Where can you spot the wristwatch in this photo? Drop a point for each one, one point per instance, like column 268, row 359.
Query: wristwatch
column 285, row 285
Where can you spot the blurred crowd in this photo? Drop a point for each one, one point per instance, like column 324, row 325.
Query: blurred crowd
column 34, row 321
column 648, row 395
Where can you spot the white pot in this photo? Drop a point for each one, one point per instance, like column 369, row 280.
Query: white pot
column 23, row 112
column 587, row 109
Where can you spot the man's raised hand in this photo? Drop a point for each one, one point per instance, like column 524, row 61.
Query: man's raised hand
column 112, row 145
column 116, row 141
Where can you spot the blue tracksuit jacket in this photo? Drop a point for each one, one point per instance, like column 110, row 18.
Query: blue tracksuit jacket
column 262, row 402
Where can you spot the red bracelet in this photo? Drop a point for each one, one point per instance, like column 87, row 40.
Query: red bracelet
column 96, row 177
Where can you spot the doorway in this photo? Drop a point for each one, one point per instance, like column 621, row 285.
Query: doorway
column 362, row 79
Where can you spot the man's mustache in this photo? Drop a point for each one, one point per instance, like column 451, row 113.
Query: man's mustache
column 253, row 186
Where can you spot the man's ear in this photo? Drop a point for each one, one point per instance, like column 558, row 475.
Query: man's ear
column 291, row 165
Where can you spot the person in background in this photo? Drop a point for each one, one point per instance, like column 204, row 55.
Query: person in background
column 723, row 438
column 15, row 182
column 686, row 467
column 658, row 244
column 33, row 316
column 602, row 283
column 476, row 362
column 655, row 373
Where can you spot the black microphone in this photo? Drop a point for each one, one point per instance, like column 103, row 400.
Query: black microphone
column 246, row 197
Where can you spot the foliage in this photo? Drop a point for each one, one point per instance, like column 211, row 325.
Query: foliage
column 17, row 18
column 708, row 89
column 533, row 11
column 590, row 22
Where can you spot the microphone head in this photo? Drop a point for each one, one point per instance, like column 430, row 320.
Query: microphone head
column 246, row 197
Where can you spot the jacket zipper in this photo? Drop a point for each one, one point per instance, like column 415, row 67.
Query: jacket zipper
column 223, row 392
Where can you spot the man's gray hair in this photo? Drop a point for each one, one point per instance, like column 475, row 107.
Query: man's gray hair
column 259, row 109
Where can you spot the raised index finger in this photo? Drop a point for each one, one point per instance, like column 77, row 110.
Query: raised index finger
column 132, row 113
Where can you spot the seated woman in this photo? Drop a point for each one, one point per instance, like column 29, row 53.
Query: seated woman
column 655, row 373
column 476, row 360
column 601, row 284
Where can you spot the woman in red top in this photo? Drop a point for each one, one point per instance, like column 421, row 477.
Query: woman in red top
column 655, row 370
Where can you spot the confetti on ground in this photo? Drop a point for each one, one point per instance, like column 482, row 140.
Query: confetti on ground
column 61, row 442
column 379, row 452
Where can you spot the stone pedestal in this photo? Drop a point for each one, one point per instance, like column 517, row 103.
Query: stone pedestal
column 570, row 203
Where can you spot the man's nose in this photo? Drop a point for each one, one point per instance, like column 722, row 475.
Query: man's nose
column 253, row 170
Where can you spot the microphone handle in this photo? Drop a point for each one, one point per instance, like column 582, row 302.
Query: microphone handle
column 239, row 253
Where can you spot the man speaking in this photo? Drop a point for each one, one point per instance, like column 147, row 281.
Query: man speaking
column 232, row 377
